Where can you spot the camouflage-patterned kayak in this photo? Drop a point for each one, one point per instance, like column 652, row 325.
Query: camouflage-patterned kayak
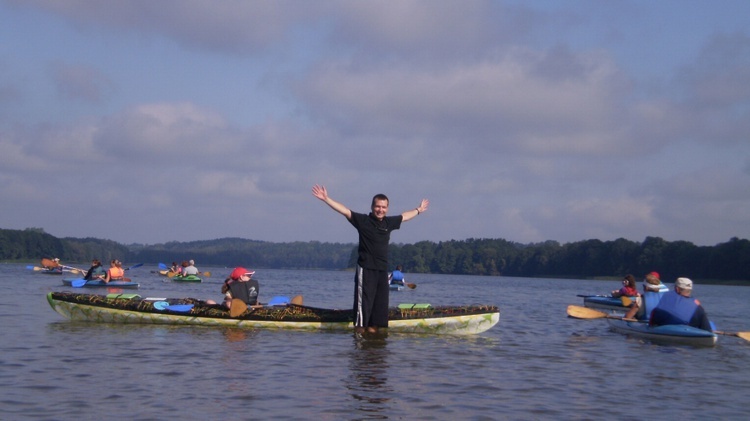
column 132, row 309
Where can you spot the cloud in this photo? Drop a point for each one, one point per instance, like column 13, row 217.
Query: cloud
column 529, row 122
column 79, row 82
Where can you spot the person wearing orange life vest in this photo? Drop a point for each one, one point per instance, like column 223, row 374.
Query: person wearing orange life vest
column 115, row 272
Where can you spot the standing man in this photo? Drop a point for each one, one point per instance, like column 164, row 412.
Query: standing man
column 371, row 290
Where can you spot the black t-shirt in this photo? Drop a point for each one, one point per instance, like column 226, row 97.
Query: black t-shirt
column 245, row 291
column 374, row 237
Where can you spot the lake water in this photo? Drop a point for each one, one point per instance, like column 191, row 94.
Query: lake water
column 535, row 364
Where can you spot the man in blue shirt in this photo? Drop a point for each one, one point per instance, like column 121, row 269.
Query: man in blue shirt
column 397, row 277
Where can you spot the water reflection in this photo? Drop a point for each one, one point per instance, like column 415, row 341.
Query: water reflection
column 367, row 381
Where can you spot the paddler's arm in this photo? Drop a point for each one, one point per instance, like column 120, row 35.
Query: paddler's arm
column 414, row 212
column 321, row 193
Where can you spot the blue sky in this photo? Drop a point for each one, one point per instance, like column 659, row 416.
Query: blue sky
column 148, row 122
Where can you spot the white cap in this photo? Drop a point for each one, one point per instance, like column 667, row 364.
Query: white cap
column 684, row 283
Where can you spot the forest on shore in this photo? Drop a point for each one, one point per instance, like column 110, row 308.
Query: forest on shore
column 727, row 262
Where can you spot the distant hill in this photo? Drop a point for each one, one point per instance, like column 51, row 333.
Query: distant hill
column 727, row 263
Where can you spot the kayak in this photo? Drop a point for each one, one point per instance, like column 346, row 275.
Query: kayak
column 92, row 283
column 396, row 287
column 51, row 271
column 188, row 278
column 604, row 302
column 131, row 309
column 671, row 334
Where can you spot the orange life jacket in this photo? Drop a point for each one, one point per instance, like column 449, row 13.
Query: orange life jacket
column 116, row 273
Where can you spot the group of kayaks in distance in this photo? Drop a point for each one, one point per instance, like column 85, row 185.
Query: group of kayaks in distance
column 655, row 314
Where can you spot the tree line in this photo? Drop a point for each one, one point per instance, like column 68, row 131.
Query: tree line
column 729, row 261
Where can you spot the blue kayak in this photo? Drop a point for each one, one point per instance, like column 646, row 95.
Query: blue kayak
column 604, row 302
column 671, row 334
column 95, row 283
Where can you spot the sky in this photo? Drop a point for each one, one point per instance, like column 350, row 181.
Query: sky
column 179, row 120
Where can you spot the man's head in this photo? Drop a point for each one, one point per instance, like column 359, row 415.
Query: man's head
column 683, row 286
column 379, row 205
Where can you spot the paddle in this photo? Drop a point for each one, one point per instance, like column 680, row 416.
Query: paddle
column 162, row 266
column 134, row 266
column 743, row 335
column 78, row 283
column 411, row 285
column 49, row 263
column 579, row 312
column 73, row 270
column 237, row 308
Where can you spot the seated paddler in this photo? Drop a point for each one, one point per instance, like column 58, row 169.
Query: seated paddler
column 96, row 271
column 240, row 285
column 115, row 272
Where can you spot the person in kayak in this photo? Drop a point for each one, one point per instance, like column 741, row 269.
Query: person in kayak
column 240, row 285
column 189, row 269
column 115, row 272
column 176, row 269
column 397, row 277
column 629, row 288
column 678, row 308
column 653, row 290
column 371, row 290
column 96, row 271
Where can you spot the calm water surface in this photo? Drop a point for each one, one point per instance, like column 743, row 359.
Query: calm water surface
column 535, row 364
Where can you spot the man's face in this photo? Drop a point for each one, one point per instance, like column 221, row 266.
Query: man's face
column 380, row 208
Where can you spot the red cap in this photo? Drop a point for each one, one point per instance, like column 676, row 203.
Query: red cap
column 239, row 271
column 655, row 274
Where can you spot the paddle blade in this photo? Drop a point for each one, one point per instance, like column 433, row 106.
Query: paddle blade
column 162, row 266
column 134, row 266
column 579, row 312
column 78, row 283
column 182, row 308
column 171, row 274
column 161, row 305
column 744, row 335
column 237, row 308
column 278, row 301
column 297, row 300
column 49, row 263
column 410, row 285
column 30, row 267
column 207, row 274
